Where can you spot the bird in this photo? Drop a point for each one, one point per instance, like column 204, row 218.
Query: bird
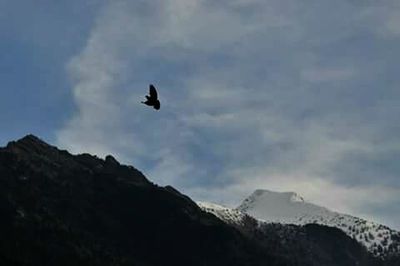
column 152, row 98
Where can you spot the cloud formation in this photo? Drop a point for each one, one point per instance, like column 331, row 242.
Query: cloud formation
column 273, row 94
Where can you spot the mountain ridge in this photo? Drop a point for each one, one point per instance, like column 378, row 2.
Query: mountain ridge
column 64, row 209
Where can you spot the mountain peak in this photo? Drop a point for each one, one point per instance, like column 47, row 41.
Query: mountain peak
column 29, row 139
column 277, row 206
column 31, row 144
column 111, row 160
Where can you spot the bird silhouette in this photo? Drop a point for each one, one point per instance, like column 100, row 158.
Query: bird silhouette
column 152, row 98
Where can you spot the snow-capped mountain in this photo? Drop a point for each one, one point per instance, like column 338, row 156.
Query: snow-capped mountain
column 290, row 208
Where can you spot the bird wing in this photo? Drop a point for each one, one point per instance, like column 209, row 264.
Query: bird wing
column 153, row 92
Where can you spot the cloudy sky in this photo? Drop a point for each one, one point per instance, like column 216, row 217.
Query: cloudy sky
column 284, row 95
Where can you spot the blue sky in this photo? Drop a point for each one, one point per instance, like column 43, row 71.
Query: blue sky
column 284, row 95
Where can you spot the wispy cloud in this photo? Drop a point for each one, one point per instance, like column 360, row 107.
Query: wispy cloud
column 242, row 102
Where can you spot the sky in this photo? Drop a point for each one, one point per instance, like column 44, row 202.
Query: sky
column 283, row 95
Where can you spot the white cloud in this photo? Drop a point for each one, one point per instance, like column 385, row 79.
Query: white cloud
column 382, row 17
column 238, row 108
column 393, row 22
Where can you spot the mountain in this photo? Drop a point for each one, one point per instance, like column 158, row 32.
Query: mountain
column 62, row 209
column 310, row 244
column 290, row 208
column 269, row 207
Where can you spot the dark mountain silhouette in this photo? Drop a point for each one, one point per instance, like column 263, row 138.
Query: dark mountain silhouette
column 63, row 209
column 152, row 98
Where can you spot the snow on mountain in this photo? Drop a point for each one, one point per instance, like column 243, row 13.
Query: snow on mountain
column 290, row 208
column 285, row 207
column 231, row 216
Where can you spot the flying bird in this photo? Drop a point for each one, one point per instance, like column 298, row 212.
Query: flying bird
column 152, row 98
